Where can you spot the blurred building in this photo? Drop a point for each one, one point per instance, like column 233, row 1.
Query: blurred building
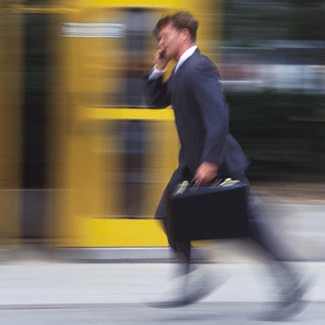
column 84, row 160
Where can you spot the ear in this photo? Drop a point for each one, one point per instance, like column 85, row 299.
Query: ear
column 186, row 34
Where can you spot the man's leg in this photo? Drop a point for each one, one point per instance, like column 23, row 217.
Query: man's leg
column 182, row 250
column 290, row 283
column 289, row 280
column 191, row 284
column 262, row 232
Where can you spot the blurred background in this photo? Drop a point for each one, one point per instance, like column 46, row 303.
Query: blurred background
column 83, row 160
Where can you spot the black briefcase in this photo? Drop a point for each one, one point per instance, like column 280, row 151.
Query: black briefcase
column 208, row 212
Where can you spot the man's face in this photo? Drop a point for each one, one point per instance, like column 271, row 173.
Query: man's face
column 170, row 41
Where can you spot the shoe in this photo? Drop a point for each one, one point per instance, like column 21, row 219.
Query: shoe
column 182, row 299
column 290, row 307
column 194, row 286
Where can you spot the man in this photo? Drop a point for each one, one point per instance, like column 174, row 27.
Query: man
column 207, row 148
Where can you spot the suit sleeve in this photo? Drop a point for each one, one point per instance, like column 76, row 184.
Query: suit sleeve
column 212, row 108
column 157, row 93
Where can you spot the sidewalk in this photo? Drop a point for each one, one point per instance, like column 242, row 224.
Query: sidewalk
column 42, row 279
column 34, row 283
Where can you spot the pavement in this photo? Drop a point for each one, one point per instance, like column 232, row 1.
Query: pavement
column 40, row 287
column 53, row 283
column 57, row 292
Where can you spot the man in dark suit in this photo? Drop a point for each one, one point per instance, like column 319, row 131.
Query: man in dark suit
column 207, row 148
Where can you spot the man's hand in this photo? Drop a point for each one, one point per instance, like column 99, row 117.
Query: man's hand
column 205, row 173
column 160, row 60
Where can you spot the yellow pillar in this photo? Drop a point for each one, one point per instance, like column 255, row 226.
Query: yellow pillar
column 10, row 125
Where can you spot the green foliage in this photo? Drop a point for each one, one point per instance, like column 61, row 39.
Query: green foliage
column 283, row 134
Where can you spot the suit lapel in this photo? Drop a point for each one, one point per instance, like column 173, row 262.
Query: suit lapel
column 183, row 65
column 175, row 77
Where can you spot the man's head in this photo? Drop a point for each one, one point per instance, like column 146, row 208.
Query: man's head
column 176, row 33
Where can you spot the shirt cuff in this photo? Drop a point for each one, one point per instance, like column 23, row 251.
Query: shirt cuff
column 156, row 73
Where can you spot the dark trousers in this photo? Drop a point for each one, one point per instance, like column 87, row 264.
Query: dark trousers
column 260, row 231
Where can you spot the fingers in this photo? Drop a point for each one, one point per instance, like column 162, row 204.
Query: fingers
column 200, row 177
column 196, row 180
column 160, row 59
column 205, row 173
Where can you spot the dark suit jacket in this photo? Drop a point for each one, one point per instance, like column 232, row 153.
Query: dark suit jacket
column 201, row 116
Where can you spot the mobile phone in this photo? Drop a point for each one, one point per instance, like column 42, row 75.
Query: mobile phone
column 162, row 55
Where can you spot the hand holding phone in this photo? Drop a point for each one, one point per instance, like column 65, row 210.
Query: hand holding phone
column 160, row 59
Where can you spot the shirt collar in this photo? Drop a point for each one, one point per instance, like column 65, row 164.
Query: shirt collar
column 189, row 52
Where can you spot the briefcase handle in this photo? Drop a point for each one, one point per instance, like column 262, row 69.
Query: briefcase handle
column 218, row 182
